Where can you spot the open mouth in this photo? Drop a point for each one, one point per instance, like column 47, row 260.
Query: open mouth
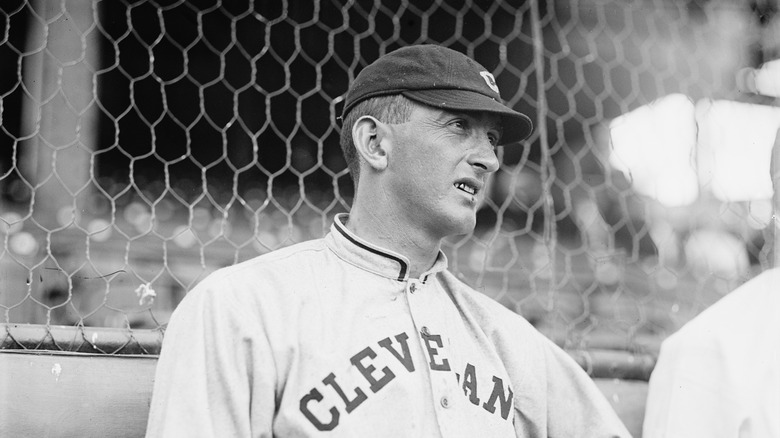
column 464, row 187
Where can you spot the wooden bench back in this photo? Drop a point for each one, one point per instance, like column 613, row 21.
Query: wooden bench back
column 61, row 387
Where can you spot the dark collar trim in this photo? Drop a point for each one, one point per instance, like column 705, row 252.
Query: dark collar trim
column 404, row 267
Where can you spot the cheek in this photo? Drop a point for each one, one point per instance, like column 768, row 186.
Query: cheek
column 430, row 161
column 429, row 175
column 422, row 165
column 419, row 184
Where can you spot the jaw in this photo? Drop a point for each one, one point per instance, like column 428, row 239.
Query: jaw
column 460, row 215
column 434, row 208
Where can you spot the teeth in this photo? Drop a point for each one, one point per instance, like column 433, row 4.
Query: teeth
column 468, row 189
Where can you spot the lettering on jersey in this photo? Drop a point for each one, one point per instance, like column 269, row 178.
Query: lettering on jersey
column 316, row 396
column 433, row 351
column 350, row 405
column 470, row 384
column 368, row 370
column 499, row 395
column 324, row 410
column 404, row 357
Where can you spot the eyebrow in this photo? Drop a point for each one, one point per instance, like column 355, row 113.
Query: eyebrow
column 477, row 115
column 498, row 126
column 495, row 124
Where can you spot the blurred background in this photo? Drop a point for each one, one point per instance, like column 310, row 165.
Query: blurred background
column 144, row 144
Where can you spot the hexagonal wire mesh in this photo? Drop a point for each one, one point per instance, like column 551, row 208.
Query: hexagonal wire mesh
column 147, row 143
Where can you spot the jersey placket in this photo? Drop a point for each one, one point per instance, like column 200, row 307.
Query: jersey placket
column 426, row 310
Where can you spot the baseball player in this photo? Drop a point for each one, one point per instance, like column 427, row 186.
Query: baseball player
column 365, row 333
column 719, row 375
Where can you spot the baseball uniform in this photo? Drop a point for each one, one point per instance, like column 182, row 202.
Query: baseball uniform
column 332, row 337
column 719, row 375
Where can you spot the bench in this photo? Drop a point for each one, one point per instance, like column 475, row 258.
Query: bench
column 80, row 381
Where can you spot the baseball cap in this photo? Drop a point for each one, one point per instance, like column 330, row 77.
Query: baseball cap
column 439, row 77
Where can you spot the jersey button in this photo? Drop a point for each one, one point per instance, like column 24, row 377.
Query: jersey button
column 445, row 402
column 424, row 330
column 413, row 287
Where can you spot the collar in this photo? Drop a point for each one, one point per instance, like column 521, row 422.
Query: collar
column 358, row 252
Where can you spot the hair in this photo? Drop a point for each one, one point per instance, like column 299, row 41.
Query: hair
column 390, row 109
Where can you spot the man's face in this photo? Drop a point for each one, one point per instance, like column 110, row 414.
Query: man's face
column 439, row 167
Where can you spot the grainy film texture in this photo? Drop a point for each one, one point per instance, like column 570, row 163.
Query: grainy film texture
column 144, row 144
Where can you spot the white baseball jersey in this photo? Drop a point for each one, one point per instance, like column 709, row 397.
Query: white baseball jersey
column 332, row 338
column 719, row 375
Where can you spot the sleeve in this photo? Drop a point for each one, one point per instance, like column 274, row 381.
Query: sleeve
column 215, row 375
column 575, row 405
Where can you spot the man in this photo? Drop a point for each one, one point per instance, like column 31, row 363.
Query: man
column 719, row 375
column 365, row 333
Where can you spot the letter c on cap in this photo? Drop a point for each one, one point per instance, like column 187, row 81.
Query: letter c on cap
column 489, row 80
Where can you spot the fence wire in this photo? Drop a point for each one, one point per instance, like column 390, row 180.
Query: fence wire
column 144, row 144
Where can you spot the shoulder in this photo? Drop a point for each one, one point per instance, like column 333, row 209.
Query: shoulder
column 734, row 330
column 294, row 255
column 756, row 293
column 265, row 276
column 281, row 265
column 490, row 314
column 748, row 307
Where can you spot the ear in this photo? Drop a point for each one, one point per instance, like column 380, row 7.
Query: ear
column 371, row 141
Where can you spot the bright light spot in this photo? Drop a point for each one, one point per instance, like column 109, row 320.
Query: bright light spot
column 653, row 145
column 265, row 241
column 138, row 214
column 144, row 225
column 767, row 79
column 261, row 242
column 607, row 273
column 99, row 230
column 184, row 237
column 718, row 253
column 586, row 211
column 220, row 227
column 23, row 243
column 735, row 148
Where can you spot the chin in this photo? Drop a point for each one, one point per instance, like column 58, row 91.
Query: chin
column 455, row 226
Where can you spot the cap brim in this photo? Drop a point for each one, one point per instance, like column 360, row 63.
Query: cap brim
column 517, row 126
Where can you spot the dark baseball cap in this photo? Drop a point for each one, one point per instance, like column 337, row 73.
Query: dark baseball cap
column 439, row 77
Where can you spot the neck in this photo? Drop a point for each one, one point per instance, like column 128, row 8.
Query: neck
column 375, row 224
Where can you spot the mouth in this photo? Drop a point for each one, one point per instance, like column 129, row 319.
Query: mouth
column 467, row 187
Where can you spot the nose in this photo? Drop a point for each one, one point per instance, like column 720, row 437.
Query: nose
column 483, row 157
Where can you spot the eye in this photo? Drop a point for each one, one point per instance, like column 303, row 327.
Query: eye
column 493, row 138
column 460, row 124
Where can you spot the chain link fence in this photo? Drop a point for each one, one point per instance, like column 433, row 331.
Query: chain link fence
column 144, row 144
